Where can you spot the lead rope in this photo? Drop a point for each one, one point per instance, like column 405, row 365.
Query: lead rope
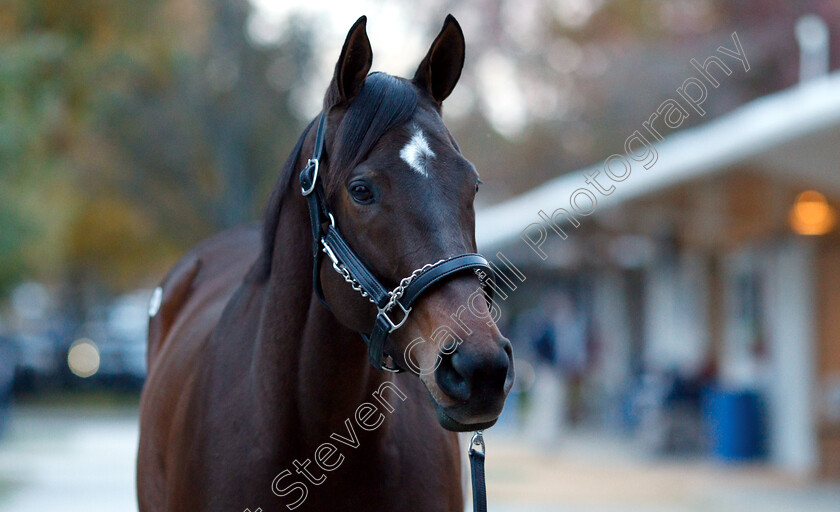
column 479, row 489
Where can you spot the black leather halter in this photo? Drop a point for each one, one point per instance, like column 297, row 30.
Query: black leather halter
column 326, row 239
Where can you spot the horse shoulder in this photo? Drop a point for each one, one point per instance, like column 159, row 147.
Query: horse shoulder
column 211, row 271
column 172, row 293
column 194, row 295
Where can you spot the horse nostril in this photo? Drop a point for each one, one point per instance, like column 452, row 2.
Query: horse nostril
column 489, row 374
column 497, row 369
column 510, row 371
column 450, row 379
column 461, row 375
column 509, row 350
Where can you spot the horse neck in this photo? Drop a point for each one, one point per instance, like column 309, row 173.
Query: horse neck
column 303, row 354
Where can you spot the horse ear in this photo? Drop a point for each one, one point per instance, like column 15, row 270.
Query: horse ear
column 441, row 68
column 353, row 65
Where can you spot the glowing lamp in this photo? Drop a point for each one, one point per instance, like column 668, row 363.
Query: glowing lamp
column 811, row 214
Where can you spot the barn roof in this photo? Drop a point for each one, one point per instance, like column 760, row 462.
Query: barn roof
column 793, row 134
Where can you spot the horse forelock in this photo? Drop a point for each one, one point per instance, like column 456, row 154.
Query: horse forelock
column 384, row 102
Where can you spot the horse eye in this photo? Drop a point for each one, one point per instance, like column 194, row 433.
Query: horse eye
column 361, row 193
column 478, row 185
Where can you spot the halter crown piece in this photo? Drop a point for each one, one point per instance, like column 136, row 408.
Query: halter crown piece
column 326, row 239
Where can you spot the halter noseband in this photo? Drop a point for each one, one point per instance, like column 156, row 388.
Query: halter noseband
column 326, row 239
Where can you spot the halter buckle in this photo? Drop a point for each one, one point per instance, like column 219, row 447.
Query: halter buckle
column 329, row 252
column 477, row 441
column 395, row 325
column 313, row 162
column 390, row 369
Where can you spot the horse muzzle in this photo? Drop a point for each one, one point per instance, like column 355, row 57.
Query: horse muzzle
column 469, row 385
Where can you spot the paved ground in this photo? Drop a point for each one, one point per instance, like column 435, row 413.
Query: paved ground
column 597, row 474
column 53, row 459
column 60, row 459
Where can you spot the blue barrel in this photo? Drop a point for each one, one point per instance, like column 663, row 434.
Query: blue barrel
column 735, row 424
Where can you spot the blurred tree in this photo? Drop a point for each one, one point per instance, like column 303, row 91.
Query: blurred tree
column 130, row 130
column 205, row 138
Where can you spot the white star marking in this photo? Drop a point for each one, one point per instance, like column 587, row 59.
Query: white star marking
column 417, row 153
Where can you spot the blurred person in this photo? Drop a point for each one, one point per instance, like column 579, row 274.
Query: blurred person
column 558, row 337
column 683, row 412
column 541, row 417
column 669, row 402
column 574, row 348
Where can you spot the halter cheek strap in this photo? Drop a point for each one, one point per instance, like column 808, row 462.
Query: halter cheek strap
column 326, row 239
column 314, row 194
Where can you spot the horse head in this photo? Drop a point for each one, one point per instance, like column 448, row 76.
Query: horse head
column 401, row 193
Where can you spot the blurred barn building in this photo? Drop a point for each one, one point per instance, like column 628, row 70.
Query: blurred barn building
column 720, row 262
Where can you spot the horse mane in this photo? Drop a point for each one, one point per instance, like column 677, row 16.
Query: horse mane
column 383, row 102
column 271, row 215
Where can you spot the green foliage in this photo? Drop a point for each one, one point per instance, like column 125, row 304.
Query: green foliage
column 128, row 131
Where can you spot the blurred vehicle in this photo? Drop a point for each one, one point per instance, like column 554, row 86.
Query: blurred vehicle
column 107, row 350
column 38, row 360
column 120, row 339
column 8, row 363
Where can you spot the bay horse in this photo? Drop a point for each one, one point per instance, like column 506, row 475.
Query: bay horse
column 255, row 363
